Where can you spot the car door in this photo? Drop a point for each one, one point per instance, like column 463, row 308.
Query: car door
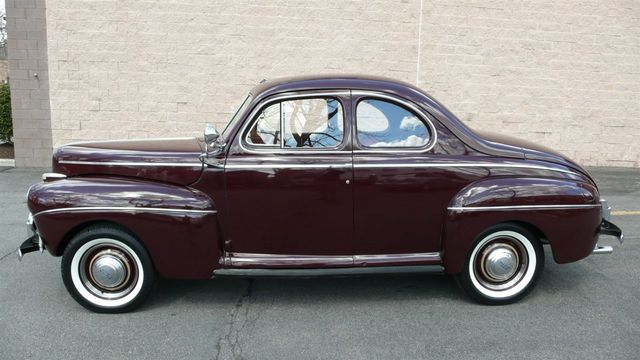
column 398, row 203
column 288, row 175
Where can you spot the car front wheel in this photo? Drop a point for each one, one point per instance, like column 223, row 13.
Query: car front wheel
column 503, row 265
column 107, row 270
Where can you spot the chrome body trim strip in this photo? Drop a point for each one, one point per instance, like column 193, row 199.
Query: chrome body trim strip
column 360, row 270
column 454, row 165
column 127, row 163
column 243, row 259
column 521, row 207
column 400, row 258
column 132, row 209
column 415, row 108
column 394, row 165
column 76, row 143
column 288, row 166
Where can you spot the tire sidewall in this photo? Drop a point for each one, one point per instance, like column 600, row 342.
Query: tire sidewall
column 129, row 242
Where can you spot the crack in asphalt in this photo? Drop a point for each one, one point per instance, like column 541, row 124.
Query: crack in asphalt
column 12, row 252
column 228, row 345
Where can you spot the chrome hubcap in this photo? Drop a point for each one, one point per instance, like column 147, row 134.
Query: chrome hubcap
column 500, row 262
column 108, row 270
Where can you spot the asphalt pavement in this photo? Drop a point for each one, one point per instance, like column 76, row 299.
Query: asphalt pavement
column 585, row 310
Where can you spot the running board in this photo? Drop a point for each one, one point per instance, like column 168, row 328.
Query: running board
column 347, row 271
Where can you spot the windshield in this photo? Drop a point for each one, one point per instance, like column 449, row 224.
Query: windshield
column 234, row 118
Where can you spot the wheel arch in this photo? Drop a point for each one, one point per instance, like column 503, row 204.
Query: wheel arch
column 536, row 231
column 69, row 235
column 455, row 255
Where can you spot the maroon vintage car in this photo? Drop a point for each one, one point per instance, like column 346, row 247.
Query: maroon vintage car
column 315, row 176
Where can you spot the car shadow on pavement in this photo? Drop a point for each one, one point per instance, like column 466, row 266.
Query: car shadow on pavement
column 555, row 279
column 300, row 290
column 561, row 280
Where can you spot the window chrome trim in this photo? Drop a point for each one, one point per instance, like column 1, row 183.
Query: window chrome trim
column 288, row 166
column 453, row 165
column 422, row 114
column 266, row 102
column 280, row 129
column 132, row 209
column 521, row 207
column 128, row 163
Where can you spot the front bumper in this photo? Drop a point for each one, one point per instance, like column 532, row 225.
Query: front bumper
column 607, row 228
column 33, row 242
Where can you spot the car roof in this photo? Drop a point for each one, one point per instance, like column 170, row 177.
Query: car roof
column 398, row 88
column 342, row 81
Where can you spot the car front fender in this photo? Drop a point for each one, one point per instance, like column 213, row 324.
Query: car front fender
column 176, row 224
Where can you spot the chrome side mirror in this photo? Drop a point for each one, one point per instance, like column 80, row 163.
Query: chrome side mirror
column 212, row 145
column 211, row 135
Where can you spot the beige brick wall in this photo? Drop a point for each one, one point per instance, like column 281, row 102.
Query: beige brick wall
column 563, row 73
column 28, row 79
column 130, row 69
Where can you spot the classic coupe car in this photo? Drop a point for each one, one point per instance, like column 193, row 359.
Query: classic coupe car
column 315, row 176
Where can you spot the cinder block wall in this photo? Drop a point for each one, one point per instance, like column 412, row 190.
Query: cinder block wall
column 29, row 82
column 562, row 73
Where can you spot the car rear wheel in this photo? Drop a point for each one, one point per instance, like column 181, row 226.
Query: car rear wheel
column 503, row 265
column 107, row 270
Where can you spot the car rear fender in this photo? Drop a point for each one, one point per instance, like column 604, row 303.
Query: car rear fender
column 565, row 212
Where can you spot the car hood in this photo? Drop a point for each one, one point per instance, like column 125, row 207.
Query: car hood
column 167, row 160
column 530, row 150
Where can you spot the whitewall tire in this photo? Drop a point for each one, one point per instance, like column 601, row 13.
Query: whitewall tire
column 503, row 265
column 106, row 269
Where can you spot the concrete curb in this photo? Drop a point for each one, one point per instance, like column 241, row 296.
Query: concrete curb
column 7, row 162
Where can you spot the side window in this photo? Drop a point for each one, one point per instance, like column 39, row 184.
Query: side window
column 266, row 129
column 300, row 123
column 382, row 124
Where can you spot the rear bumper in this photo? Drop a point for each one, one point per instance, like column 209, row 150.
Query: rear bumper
column 609, row 229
